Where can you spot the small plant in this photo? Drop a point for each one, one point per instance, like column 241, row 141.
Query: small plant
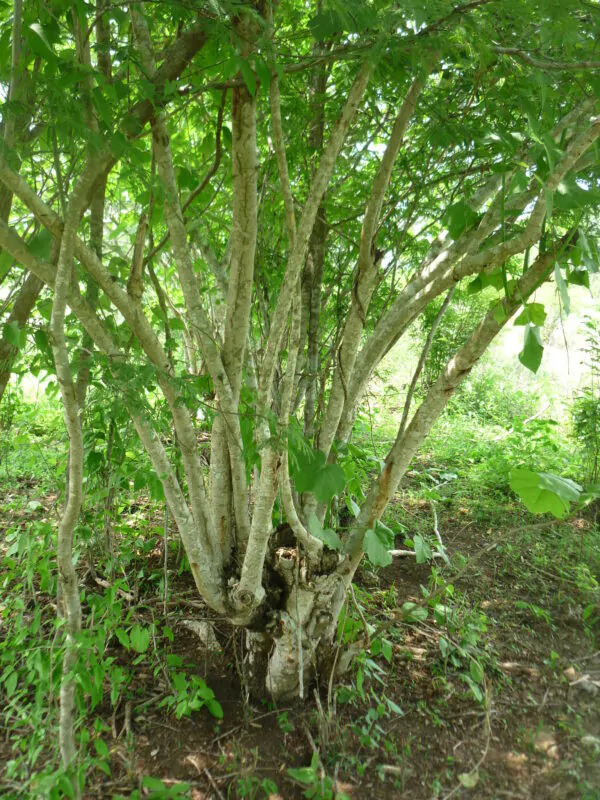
column 191, row 693
column 319, row 786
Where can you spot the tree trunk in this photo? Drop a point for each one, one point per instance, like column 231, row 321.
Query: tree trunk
column 298, row 646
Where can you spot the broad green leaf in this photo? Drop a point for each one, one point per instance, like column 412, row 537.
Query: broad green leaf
column 533, row 349
column 500, row 316
column 140, row 638
column 485, row 279
column 378, row 551
column 215, row 708
column 10, row 684
column 324, row 25
column 155, row 486
column 15, row 335
column 579, row 277
column 326, row 535
column 42, row 341
column 154, row 784
column 263, row 71
column 41, row 244
column 352, row 507
column 476, row 671
column 571, row 196
column 350, row 16
column 459, row 217
column 123, row 638
column 248, row 76
column 329, row 482
column 387, row 651
column 302, row 774
column 308, row 463
column 101, row 748
column 39, row 42
column 312, row 474
column 542, row 492
column 422, row 549
column 533, row 313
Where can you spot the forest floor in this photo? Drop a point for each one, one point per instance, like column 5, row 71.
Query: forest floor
column 499, row 697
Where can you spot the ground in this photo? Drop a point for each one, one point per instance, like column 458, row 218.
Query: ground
column 493, row 695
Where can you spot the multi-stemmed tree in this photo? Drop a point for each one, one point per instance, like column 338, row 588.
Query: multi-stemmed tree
column 238, row 209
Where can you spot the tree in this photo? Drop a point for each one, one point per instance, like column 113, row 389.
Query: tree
column 238, row 208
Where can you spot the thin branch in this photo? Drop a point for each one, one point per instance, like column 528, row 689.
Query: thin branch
column 546, row 64
column 424, row 353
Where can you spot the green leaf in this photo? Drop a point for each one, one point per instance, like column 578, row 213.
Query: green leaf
column 571, row 196
column 351, row 16
column 326, row 535
column 324, row 25
column 42, row 341
column 308, row 463
column 65, row 786
column 6, row 261
column 101, row 105
column 40, row 43
column 542, row 492
column 533, row 349
column 154, row 784
column 312, row 474
column 101, row 748
column 579, row 277
column 215, row 708
column 386, row 650
column 562, row 289
column 248, row 76
column 10, row 684
column 155, row 487
column 302, row 774
column 422, row 549
column 263, row 71
column 476, row 671
column 458, row 218
column 377, row 550
column 500, row 316
column 15, row 335
column 329, row 482
column 41, row 244
column 352, row 507
column 533, row 313
column 123, row 638
column 140, row 638
column 414, row 613
column 589, row 251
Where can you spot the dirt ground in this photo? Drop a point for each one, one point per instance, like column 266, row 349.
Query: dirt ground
column 535, row 734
